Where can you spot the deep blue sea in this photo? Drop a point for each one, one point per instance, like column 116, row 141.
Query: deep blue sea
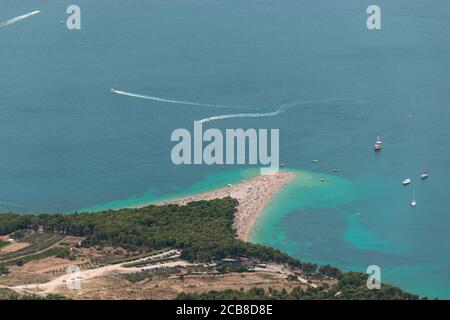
column 67, row 142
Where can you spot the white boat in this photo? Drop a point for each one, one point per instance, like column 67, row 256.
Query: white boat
column 378, row 144
column 424, row 175
column 315, row 160
column 229, row 185
column 406, row 181
column 413, row 202
column 113, row 90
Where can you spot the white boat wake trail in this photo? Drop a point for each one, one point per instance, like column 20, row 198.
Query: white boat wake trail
column 174, row 101
column 283, row 108
column 17, row 19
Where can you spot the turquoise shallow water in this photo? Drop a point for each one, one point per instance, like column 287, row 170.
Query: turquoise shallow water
column 67, row 143
column 211, row 182
column 329, row 222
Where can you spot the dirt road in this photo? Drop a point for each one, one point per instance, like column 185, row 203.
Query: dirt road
column 75, row 279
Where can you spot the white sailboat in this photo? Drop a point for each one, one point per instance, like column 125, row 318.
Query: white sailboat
column 413, row 202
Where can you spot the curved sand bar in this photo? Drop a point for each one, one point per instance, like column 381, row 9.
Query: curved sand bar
column 253, row 195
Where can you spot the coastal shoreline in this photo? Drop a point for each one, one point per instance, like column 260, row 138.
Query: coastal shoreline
column 253, row 196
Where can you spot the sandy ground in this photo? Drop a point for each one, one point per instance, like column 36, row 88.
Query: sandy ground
column 36, row 271
column 15, row 246
column 253, row 195
column 83, row 276
column 35, row 252
column 112, row 287
column 108, row 282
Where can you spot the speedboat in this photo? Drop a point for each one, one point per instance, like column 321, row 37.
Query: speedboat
column 413, row 202
column 424, row 175
column 113, row 90
column 378, row 144
column 406, row 181
column 315, row 161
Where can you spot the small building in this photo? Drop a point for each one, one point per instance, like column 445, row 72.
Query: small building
column 7, row 239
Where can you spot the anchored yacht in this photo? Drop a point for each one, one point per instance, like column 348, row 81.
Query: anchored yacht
column 378, row 144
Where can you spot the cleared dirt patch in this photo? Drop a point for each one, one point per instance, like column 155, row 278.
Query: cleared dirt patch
column 15, row 246
column 23, row 278
column 43, row 265
column 34, row 272
column 114, row 287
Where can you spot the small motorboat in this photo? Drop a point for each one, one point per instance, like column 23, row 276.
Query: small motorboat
column 315, row 161
column 413, row 202
column 406, row 181
column 336, row 170
column 323, row 179
column 424, row 175
column 229, row 185
column 113, row 90
column 282, row 165
column 378, row 144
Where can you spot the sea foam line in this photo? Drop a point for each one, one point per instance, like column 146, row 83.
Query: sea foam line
column 17, row 19
column 173, row 101
column 283, row 108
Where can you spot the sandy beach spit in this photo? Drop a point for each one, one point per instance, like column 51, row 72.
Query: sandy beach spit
column 253, row 195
